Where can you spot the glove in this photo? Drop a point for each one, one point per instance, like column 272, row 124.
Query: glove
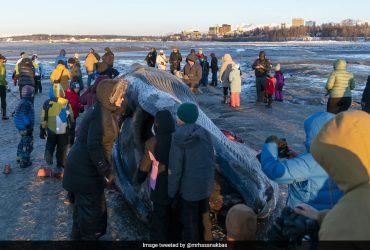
column 43, row 133
column 272, row 139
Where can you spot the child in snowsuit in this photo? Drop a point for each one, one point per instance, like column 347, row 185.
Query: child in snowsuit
column 270, row 88
column 235, row 86
column 280, row 80
column 24, row 120
column 72, row 95
column 56, row 121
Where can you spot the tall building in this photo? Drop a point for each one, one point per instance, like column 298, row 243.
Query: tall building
column 297, row 22
column 283, row 25
column 310, row 23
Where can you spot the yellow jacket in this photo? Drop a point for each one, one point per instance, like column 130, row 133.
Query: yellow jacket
column 342, row 148
column 61, row 73
column 57, row 114
column 90, row 62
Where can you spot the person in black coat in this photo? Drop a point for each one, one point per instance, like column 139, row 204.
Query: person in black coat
column 89, row 165
column 175, row 60
column 26, row 74
column 205, row 70
column 214, row 69
column 157, row 149
column 151, row 58
column 365, row 101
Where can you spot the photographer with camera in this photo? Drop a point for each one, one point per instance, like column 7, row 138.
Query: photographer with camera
column 307, row 180
column 342, row 149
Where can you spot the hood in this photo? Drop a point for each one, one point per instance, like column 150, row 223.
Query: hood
column 56, row 90
column 313, row 125
column 27, row 91
column 192, row 57
column 340, row 65
column 342, row 149
column 227, row 58
column 97, row 81
column 188, row 134
column 61, row 67
column 163, row 122
column 108, row 91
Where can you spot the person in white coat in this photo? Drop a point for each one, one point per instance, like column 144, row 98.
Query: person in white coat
column 161, row 61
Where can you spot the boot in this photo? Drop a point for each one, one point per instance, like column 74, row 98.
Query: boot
column 4, row 115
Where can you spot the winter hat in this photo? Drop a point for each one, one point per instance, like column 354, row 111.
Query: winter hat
column 75, row 85
column 27, row 91
column 241, row 223
column 161, row 51
column 163, row 122
column 188, row 112
column 76, row 56
column 192, row 58
column 278, row 67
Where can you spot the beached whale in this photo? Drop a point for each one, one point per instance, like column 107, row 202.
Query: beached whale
column 151, row 90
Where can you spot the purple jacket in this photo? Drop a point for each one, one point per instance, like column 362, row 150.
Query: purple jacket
column 279, row 80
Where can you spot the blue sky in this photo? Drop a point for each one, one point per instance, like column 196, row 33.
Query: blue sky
column 145, row 17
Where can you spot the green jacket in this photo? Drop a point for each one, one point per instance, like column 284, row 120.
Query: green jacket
column 3, row 81
column 340, row 82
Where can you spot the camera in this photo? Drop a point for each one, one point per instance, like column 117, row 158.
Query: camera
column 290, row 229
column 283, row 150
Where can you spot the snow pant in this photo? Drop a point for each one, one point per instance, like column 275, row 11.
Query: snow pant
column 38, row 86
column 340, row 104
column 235, row 99
column 60, row 142
column 160, row 224
column 195, row 220
column 260, row 83
column 90, row 215
column 3, row 99
column 25, row 147
column 269, row 99
column 204, row 80
column 279, row 95
column 214, row 78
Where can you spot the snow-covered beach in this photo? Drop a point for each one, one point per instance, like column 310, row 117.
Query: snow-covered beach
column 33, row 208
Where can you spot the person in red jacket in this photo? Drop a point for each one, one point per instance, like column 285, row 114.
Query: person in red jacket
column 72, row 95
column 270, row 88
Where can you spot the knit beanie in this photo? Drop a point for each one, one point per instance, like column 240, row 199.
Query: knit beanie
column 188, row 112
column 241, row 223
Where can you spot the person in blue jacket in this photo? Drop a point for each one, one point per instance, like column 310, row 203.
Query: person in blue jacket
column 307, row 180
column 61, row 56
column 24, row 120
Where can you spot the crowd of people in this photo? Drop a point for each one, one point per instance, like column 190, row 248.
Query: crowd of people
column 325, row 183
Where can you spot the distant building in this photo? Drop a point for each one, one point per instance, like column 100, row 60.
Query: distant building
column 297, row 22
column 215, row 30
column 283, row 25
column 310, row 23
column 226, row 28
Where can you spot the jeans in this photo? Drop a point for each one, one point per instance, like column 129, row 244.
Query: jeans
column 90, row 78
